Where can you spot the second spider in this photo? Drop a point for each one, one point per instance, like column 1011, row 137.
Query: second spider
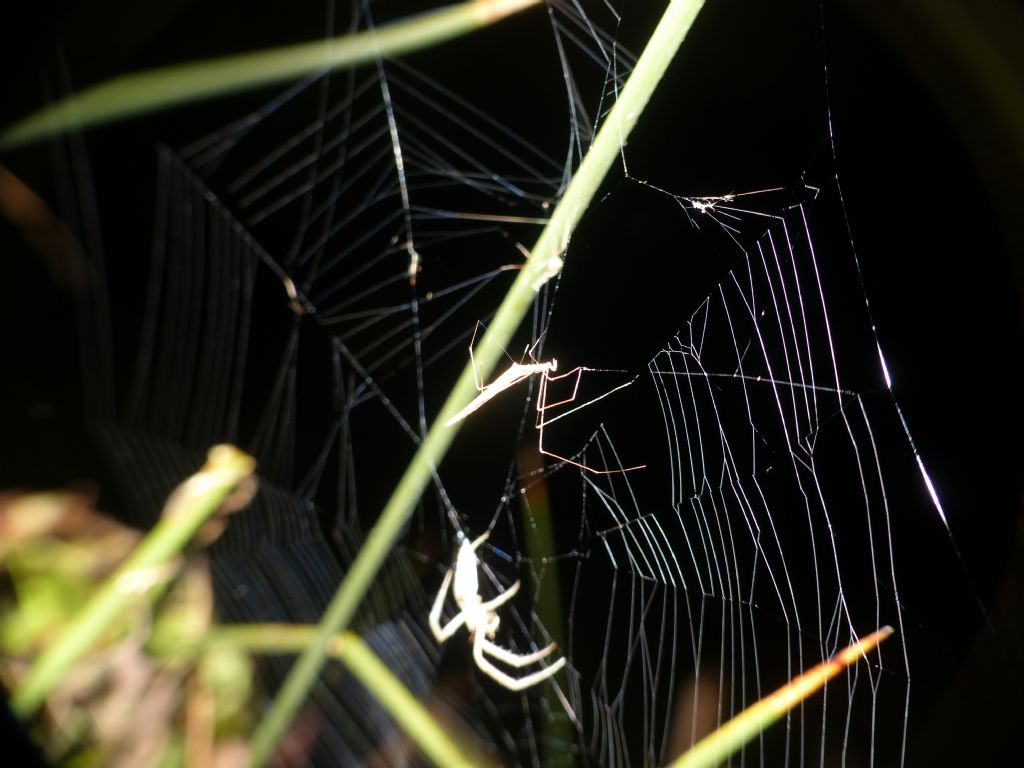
column 481, row 620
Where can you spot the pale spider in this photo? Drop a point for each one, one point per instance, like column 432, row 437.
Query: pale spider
column 482, row 622
column 518, row 372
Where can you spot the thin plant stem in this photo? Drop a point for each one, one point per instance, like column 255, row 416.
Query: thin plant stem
column 193, row 503
column 544, row 263
column 155, row 89
column 715, row 748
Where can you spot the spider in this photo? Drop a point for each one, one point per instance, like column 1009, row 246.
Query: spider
column 518, row 372
column 482, row 622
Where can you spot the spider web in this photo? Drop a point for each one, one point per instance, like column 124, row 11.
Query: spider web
column 771, row 448
column 320, row 260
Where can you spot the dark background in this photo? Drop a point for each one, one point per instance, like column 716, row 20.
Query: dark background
column 926, row 107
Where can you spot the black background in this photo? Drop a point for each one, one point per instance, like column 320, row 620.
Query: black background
column 922, row 105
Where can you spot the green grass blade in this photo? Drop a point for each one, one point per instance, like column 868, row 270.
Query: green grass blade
column 193, row 503
column 156, row 89
column 716, row 747
column 544, row 262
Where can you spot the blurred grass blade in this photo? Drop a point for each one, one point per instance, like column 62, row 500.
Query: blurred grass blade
column 400, row 704
column 544, row 263
column 155, row 89
column 410, row 715
column 193, row 503
column 715, row 748
column 555, row 728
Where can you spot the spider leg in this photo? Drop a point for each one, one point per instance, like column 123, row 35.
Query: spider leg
column 506, row 680
column 543, row 405
column 443, row 633
column 591, row 470
column 501, row 599
column 573, row 462
column 513, row 659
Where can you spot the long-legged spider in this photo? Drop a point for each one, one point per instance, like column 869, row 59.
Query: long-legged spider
column 518, row 372
column 481, row 620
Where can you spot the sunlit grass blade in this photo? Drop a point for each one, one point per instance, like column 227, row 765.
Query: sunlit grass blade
column 715, row 748
column 155, row 89
column 192, row 504
column 544, row 263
